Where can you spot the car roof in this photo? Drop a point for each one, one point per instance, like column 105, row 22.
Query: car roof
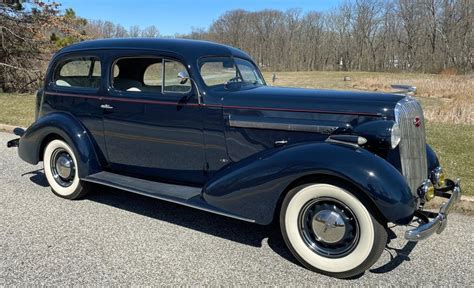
column 186, row 47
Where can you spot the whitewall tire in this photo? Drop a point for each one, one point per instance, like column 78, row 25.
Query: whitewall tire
column 62, row 170
column 330, row 230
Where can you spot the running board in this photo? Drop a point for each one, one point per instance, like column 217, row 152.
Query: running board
column 179, row 194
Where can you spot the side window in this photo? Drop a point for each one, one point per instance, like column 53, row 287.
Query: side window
column 217, row 71
column 153, row 75
column 82, row 72
column 149, row 75
column 247, row 70
column 171, row 81
column 138, row 74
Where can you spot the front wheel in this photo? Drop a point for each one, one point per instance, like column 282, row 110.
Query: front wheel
column 331, row 231
column 62, row 171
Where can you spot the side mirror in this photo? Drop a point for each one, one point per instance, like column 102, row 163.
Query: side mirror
column 183, row 77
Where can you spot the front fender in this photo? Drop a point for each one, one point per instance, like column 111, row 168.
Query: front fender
column 252, row 187
column 68, row 128
column 432, row 159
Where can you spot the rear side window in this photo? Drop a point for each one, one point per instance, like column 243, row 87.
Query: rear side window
column 82, row 72
column 151, row 75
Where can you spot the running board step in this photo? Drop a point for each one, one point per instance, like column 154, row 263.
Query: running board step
column 144, row 187
column 180, row 194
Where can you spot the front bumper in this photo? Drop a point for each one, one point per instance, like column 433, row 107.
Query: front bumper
column 436, row 222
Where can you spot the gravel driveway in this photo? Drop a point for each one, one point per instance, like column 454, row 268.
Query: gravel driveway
column 116, row 238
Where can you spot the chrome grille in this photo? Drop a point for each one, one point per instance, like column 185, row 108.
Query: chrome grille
column 413, row 142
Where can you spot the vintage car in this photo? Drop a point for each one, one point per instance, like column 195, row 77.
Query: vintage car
column 194, row 123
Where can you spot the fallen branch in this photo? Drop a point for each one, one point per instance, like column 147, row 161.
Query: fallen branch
column 19, row 68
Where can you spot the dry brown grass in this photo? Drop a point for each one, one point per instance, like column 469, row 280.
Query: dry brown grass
column 446, row 98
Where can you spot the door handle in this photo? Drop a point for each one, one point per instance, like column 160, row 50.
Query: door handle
column 280, row 143
column 106, row 106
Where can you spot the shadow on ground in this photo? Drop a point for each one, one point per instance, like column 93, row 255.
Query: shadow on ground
column 213, row 224
column 37, row 177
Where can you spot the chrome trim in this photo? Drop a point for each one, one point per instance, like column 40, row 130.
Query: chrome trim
column 106, row 106
column 351, row 140
column 279, row 124
column 412, row 145
column 438, row 224
column 435, row 177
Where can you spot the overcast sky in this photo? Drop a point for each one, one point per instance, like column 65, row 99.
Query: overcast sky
column 179, row 16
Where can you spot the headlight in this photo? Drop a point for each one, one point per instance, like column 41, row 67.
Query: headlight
column 395, row 136
column 437, row 177
column 426, row 190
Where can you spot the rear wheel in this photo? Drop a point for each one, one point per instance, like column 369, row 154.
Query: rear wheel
column 62, row 171
column 331, row 231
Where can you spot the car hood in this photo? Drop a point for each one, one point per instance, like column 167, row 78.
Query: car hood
column 314, row 100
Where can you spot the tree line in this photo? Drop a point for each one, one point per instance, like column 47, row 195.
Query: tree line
column 429, row 36
column 367, row 35
column 29, row 37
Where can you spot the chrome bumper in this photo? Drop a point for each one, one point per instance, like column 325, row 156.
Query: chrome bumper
column 440, row 220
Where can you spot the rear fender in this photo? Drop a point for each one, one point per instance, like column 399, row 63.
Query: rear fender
column 252, row 187
column 68, row 128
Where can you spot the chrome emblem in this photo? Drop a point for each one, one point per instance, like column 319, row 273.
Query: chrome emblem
column 417, row 121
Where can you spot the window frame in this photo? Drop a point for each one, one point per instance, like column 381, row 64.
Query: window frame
column 146, row 93
column 63, row 60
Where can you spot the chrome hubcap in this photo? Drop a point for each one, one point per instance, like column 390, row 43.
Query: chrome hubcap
column 62, row 167
column 328, row 227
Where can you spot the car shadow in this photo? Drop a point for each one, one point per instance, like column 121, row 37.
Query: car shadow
column 213, row 224
column 397, row 255
column 37, row 177
column 205, row 222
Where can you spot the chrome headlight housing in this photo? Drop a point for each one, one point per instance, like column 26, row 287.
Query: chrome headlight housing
column 395, row 136
column 437, row 177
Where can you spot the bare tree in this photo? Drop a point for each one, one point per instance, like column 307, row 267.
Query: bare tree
column 134, row 31
column 150, row 32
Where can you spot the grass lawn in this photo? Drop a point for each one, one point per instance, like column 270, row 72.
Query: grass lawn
column 454, row 143
column 17, row 109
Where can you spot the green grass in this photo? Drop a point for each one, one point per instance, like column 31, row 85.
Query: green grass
column 454, row 143
column 17, row 109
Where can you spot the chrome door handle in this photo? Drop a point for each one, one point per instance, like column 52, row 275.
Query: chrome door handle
column 106, row 106
column 280, row 143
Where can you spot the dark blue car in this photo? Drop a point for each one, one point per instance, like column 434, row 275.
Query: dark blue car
column 194, row 123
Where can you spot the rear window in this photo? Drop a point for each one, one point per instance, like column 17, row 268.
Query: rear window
column 82, row 72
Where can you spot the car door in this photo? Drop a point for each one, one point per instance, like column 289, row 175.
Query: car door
column 152, row 123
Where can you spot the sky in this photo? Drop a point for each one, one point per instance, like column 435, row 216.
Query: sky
column 179, row 16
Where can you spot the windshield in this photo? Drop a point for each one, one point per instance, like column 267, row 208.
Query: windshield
column 224, row 70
